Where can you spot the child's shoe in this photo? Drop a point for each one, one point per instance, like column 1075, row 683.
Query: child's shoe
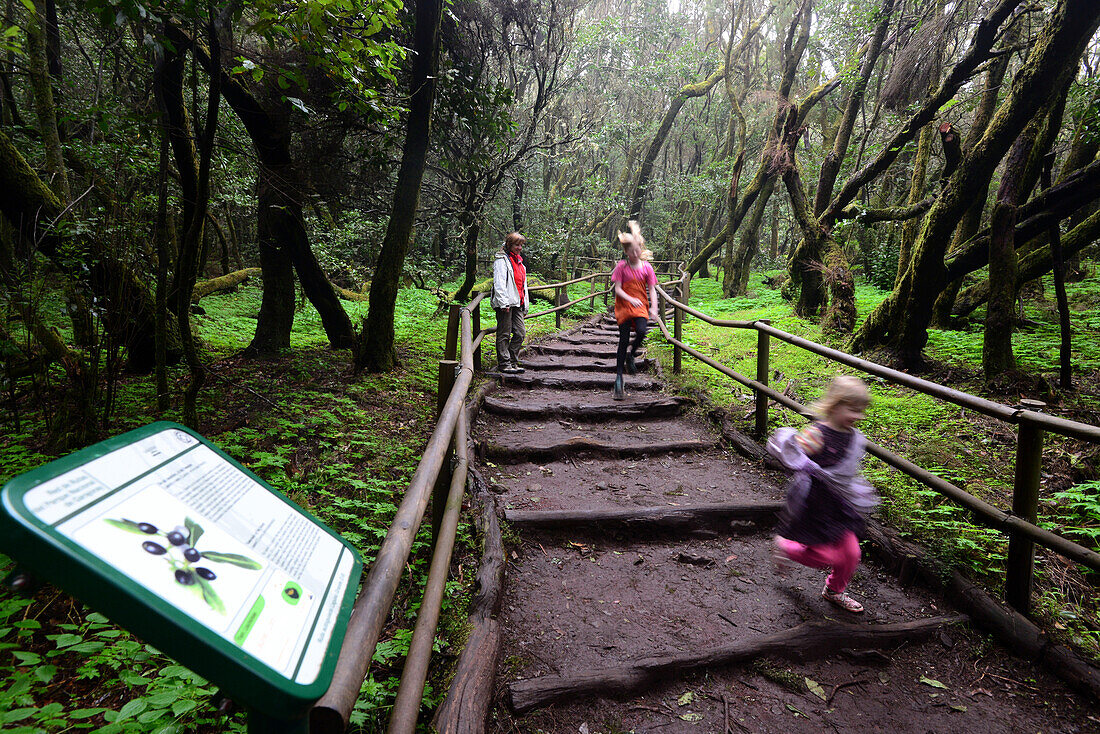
column 842, row 600
column 631, row 365
column 617, row 392
column 780, row 561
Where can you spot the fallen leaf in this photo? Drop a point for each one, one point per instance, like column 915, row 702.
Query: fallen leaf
column 883, row 678
column 816, row 689
column 931, row 682
column 685, row 699
column 958, row 707
column 691, row 717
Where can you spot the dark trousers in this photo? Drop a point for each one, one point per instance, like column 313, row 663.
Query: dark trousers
column 510, row 333
column 640, row 324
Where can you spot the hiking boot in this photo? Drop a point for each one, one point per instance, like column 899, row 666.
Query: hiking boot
column 510, row 370
column 631, row 365
column 617, row 392
column 842, row 600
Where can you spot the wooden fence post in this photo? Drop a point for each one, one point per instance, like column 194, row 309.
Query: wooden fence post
column 763, row 353
column 557, row 302
column 447, row 370
column 592, row 294
column 454, row 314
column 677, row 331
column 606, row 288
column 475, row 317
column 1025, row 505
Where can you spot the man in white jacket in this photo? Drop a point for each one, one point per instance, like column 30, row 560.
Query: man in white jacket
column 510, row 301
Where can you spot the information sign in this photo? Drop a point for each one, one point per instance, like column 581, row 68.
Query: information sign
column 179, row 543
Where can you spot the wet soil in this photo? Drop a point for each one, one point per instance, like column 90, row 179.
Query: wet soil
column 587, row 598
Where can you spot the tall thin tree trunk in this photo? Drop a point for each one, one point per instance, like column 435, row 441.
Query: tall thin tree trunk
column 376, row 352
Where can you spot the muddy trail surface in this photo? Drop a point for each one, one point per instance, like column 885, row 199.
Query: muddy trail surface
column 640, row 593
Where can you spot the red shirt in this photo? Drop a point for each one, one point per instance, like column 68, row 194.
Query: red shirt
column 520, row 272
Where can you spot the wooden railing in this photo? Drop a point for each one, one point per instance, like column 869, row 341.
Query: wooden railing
column 1019, row 524
column 437, row 480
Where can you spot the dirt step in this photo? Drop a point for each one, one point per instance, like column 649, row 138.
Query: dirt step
column 547, row 403
column 729, row 517
column 574, row 606
column 578, row 380
column 575, row 362
column 512, row 441
column 590, row 338
column 665, row 481
column 592, row 351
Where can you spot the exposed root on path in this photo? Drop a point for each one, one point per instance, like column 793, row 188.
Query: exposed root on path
column 808, row 640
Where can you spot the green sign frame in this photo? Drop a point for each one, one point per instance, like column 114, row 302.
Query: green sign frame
column 93, row 523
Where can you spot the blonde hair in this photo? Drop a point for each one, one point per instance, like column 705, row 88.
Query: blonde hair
column 634, row 236
column 843, row 390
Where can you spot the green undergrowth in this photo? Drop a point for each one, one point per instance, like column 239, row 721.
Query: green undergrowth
column 343, row 446
column 970, row 451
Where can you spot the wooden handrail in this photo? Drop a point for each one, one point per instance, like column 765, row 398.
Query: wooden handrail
column 410, row 692
column 331, row 714
column 985, row 512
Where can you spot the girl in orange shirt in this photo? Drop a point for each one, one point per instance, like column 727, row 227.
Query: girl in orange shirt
column 635, row 301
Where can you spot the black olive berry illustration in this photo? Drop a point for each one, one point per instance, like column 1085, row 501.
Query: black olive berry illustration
column 155, row 548
column 179, row 551
column 292, row 593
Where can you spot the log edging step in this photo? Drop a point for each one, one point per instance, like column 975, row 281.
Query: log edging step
column 806, row 641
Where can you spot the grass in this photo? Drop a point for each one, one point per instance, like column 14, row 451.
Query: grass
column 342, row 446
column 971, row 451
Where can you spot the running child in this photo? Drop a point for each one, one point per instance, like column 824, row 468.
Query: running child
column 827, row 499
column 635, row 301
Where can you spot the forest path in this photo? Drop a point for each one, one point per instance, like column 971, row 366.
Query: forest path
column 641, row 569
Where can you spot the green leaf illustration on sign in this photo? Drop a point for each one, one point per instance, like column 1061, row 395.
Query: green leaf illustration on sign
column 235, row 558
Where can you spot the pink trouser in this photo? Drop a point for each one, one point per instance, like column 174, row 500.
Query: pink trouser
column 842, row 556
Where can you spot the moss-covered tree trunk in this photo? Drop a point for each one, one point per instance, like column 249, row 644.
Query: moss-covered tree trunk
column 901, row 320
column 971, row 221
column 1000, row 317
column 735, row 282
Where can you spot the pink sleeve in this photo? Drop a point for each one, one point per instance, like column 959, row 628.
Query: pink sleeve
column 650, row 275
column 617, row 273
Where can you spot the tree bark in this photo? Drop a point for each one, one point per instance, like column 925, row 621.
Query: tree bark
column 830, row 166
column 281, row 231
column 971, row 221
column 1034, row 264
column 375, row 352
column 901, row 320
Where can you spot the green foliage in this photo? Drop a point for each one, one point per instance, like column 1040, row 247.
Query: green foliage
column 1076, row 513
column 44, row 670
